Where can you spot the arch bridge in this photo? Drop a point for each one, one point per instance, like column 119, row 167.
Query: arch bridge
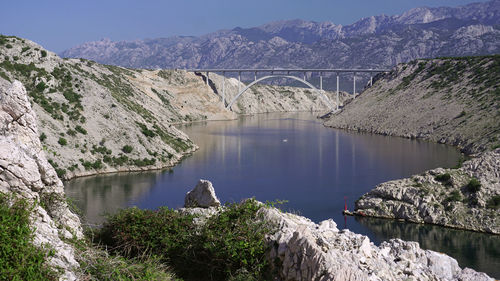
column 286, row 73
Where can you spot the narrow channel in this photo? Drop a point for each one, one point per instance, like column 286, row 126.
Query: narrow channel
column 293, row 157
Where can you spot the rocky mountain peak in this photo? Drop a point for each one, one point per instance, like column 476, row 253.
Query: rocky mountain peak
column 376, row 41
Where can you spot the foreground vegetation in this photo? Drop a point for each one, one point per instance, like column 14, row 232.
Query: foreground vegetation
column 20, row 259
column 229, row 245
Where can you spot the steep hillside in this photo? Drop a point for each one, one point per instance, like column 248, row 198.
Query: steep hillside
column 97, row 118
column 449, row 100
column 373, row 42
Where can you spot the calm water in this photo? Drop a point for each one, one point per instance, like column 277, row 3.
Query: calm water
column 292, row 157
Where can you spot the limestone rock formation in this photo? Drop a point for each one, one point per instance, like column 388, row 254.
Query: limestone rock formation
column 26, row 173
column 203, row 196
column 304, row 251
column 465, row 198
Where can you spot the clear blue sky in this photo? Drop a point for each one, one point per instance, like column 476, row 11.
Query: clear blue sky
column 61, row 24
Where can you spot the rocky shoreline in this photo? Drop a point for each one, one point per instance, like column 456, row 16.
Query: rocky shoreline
column 464, row 198
column 303, row 250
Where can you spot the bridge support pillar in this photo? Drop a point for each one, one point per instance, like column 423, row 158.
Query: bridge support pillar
column 239, row 80
column 371, row 80
column 223, row 89
column 321, row 82
column 207, row 78
column 305, row 76
column 337, row 91
column 354, row 85
column 255, row 76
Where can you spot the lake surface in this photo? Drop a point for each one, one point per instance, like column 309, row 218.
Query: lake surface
column 293, row 157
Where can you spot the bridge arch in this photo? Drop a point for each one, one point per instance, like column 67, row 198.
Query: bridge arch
column 320, row 93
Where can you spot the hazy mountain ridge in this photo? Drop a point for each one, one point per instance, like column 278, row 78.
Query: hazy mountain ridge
column 377, row 41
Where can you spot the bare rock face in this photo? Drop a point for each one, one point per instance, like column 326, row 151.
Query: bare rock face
column 428, row 198
column 304, row 250
column 203, row 195
column 26, row 173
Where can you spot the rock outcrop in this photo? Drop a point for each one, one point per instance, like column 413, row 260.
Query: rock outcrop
column 202, row 196
column 466, row 198
column 304, row 250
column 25, row 173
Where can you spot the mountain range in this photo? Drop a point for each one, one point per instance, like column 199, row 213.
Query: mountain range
column 373, row 42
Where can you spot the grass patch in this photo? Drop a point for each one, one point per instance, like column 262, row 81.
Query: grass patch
column 19, row 258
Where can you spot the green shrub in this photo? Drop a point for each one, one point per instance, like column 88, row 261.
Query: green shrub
column 43, row 53
column 493, row 202
column 60, row 172
column 62, row 141
column 71, row 132
column 81, row 130
column 8, row 46
column 41, row 86
column 474, row 185
column 145, row 131
column 454, row 196
column 101, row 149
column 143, row 162
column 43, row 137
column 231, row 243
column 19, row 258
column 127, row 148
column 72, row 97
column 97, row 164
column 444, row 179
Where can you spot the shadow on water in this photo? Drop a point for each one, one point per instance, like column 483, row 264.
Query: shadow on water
column 471, row 249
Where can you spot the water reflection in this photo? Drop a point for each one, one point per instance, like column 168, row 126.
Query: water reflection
column 475, row 250
column 99, row 195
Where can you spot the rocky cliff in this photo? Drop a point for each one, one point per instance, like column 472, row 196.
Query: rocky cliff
column 450, row 100
column 373, row 42
column 26, row 174
column 95, row 118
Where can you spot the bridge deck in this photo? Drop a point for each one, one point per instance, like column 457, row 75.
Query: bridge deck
column 287, row 70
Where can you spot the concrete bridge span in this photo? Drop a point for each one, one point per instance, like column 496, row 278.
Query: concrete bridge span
column 286, row 73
